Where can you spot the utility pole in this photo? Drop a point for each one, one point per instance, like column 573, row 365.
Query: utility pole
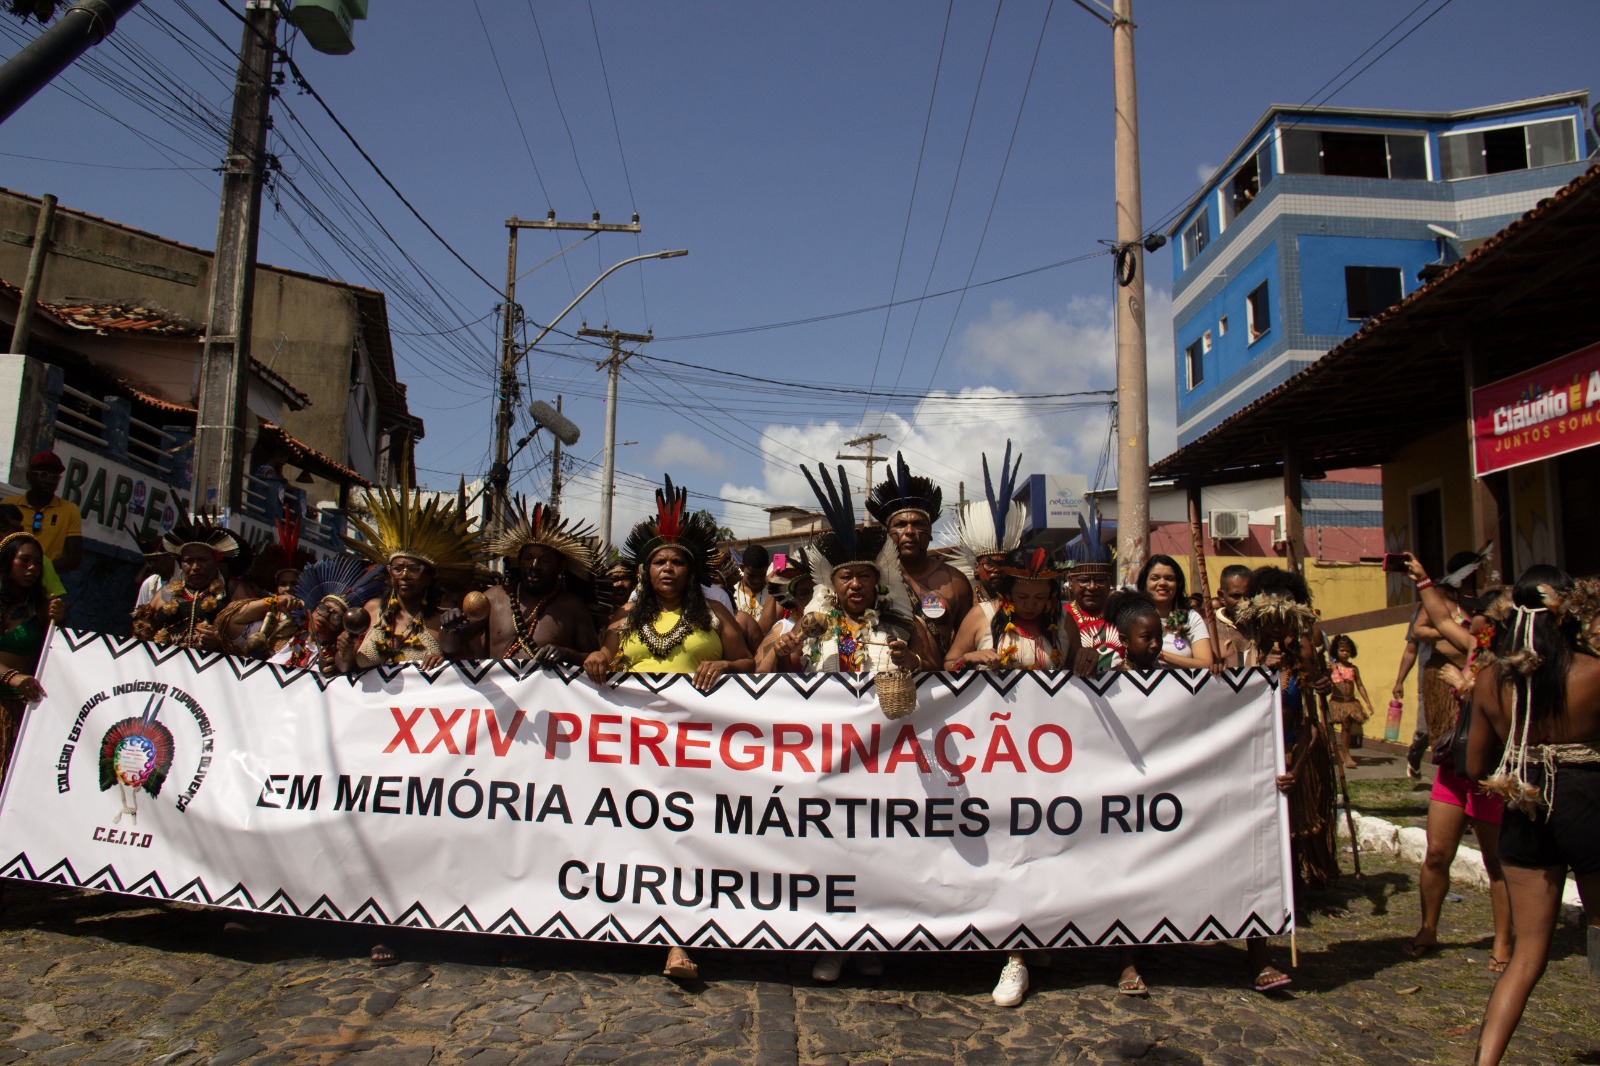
column 613, row 367
column 225, row 358
column 30, row 282
column 1133, row 407
column 509, row 356
column 870, row 441
column 80, row 27
column 555, row 468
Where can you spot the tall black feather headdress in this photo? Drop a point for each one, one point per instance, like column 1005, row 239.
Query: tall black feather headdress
column 994, row 526
column 904, row 491
column 844, row 542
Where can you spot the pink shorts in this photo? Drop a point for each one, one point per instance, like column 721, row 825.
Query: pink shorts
column 1450, row 787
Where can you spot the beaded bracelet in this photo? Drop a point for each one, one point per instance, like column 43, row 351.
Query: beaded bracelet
column 1425, row 583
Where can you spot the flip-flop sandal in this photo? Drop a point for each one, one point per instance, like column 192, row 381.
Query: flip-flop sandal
column 680, row 966
column 1415, row 948
column 1134, row 986
column 381, row 956
column 1498, row 965
column 1271, row 978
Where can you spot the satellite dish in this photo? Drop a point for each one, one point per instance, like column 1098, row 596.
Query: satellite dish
column 565, row 430
column 1441, row 231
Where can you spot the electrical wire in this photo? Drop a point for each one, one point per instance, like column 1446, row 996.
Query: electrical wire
column 916, row 181
column 950, row 201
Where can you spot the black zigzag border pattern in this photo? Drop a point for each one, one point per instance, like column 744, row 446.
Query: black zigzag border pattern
column 473, row 672
column 658, row 932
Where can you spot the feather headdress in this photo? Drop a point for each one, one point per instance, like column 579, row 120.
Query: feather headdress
column 673, row 526
column 1032, row 564
column 1456, row 577
column 1269, row 619
column 577, row 543
column 844, row 542
column 993, row 527
column 348, row 579
column 282, row 554
column 206, row 530
column 434, row 532
column 904, row 491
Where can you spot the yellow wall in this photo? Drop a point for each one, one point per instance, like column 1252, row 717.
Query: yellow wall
column 1338, row 590
column 1442, row 459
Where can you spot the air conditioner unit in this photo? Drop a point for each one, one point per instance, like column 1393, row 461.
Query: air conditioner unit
column 1230, row 525
column 1280, row 532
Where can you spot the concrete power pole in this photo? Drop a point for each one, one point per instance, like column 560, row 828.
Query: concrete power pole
column 225, row 358
column 613, row 367
column 1133, row 410
column 509, row 356
column 555, row 468
column 870, row 440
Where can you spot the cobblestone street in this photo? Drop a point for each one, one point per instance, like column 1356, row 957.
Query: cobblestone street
column 101, row 978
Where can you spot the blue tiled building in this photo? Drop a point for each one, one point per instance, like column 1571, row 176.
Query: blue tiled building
column 1322, row 218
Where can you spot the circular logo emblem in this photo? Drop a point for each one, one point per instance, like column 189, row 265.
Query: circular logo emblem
column 933, row 606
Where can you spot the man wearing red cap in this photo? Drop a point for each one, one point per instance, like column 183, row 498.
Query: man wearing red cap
column 54, row 522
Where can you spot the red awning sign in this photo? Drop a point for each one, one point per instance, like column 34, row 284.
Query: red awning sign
column 1550, row 410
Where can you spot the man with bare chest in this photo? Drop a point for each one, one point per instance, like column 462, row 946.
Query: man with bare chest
column 538, row 616
column 908, row 506
column 546, row 610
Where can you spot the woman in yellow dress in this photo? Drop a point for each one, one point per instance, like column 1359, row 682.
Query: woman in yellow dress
column 672, row 628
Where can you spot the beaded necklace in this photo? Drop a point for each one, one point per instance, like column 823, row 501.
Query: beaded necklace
column 1179, row 628
column 525, row 627
column 1043, row 649
column 203, row 608
column 386, row 643
column 662, row 645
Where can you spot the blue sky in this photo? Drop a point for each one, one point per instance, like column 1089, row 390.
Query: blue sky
column 785, row 147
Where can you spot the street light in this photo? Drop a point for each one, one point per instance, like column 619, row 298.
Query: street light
column 508, row 370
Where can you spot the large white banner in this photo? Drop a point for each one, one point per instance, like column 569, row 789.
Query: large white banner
column 776, row 812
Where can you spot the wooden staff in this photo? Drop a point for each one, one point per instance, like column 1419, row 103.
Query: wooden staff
column 1344, row 786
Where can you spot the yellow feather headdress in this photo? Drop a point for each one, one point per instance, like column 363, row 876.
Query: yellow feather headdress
column 434, row 532
column 577, row 542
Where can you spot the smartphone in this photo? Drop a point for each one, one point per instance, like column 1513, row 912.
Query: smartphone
column 1394, row 564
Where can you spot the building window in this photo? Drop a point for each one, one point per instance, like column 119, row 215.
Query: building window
column 1349, row 154
column 1222, row 326
column 1194, row 371
column 1258, row 312
column 1196, row 237
column 1534, row 144
column 1241, row 190
column 1371, row 290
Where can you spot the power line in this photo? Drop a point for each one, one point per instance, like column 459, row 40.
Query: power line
column 916, row 181
column 950, row 201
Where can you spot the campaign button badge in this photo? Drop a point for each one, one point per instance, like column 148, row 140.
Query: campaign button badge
column 933, row 605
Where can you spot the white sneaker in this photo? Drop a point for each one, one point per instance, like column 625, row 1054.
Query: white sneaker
column 827, row 967
column 1013, row 983
column 868, row 963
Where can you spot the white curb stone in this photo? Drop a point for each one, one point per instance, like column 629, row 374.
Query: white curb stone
column 1378, row 836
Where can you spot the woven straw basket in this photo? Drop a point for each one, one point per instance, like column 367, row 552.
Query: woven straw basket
column 897, row 692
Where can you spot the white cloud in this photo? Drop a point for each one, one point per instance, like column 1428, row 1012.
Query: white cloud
column 1069, row 350
column 679, row 451
column 1205, row 172
column 1043, row 351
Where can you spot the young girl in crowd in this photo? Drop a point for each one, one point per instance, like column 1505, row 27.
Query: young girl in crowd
column 1136, row 618
column 1343, row 707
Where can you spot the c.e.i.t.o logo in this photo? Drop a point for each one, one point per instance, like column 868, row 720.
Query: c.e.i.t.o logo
column 135, row 754
column 138, row 752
